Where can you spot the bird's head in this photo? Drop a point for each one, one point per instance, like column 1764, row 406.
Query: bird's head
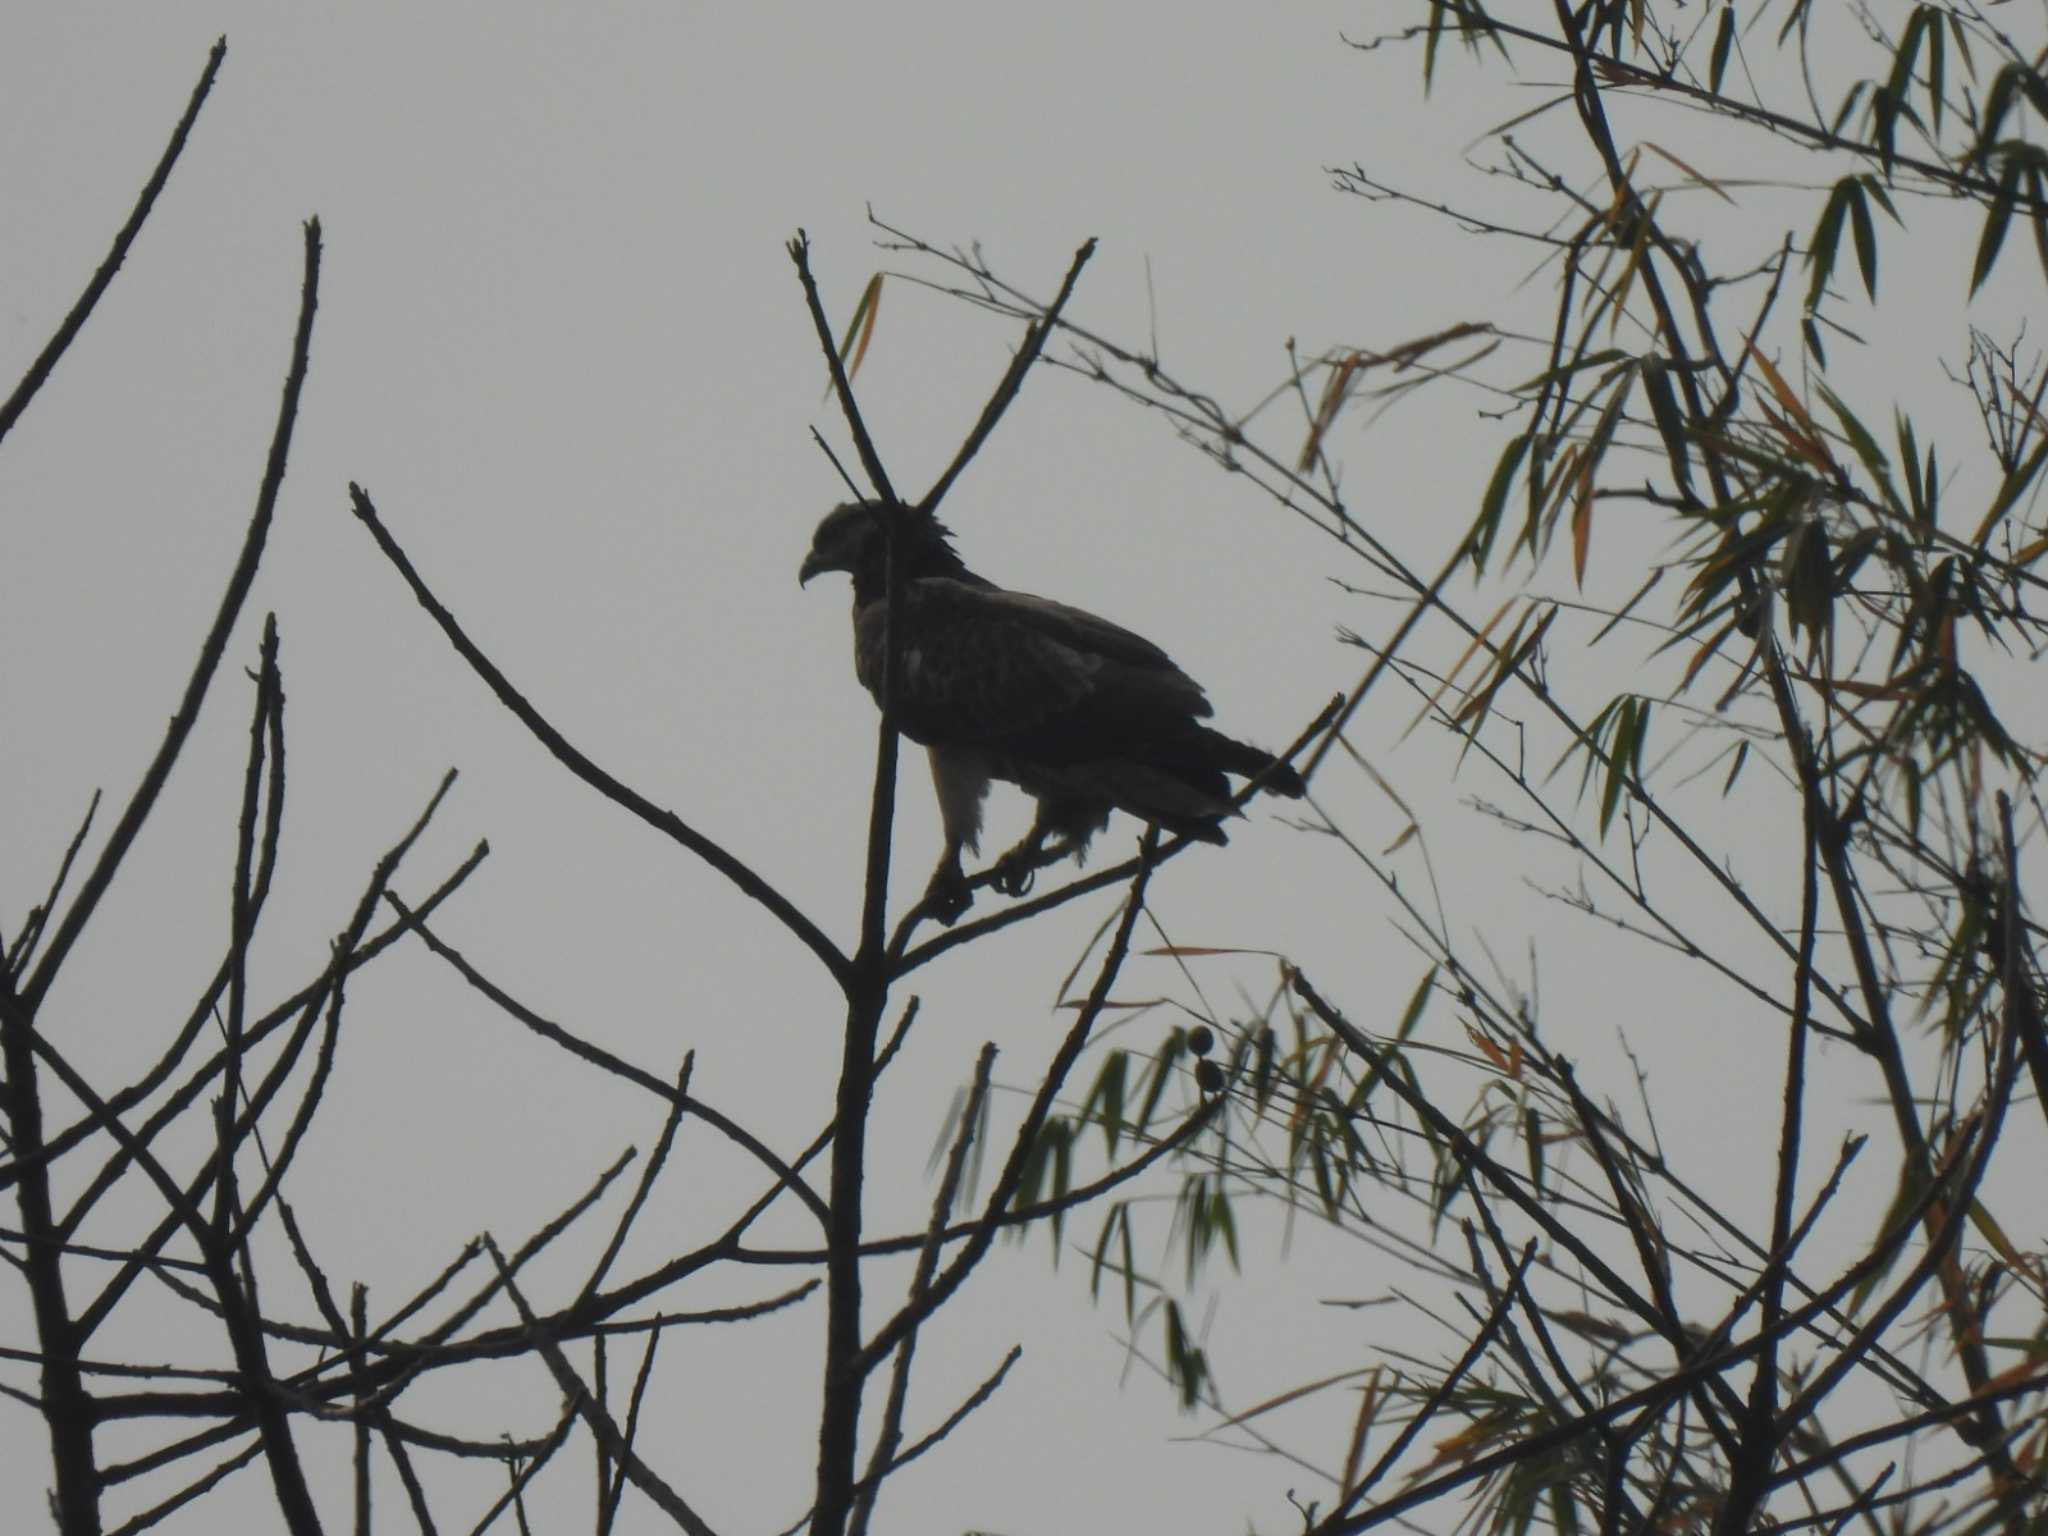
column 854, row 538
column 849, row 539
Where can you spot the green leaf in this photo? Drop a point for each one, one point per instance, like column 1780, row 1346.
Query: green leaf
column 1909, row 455
column 1995, row 224
column 1932, row 481
column 1062, row 1177
column 1885, row 110
column 1624, row 754
column 1118, row 1222
column 1848, row 106
column 1735, row 768
column 1935, row 64
column 1487, row 524
column 1604, row 428
column 1186, row 1366
column 1161, row 1071
column 1412, row 1014
column 1866, row 236
column 1106, row 1098
column 1891, row 1242
column 1225, row 1221
column 1827, row 236
column 1908, row 50
column 2038, row 185
column 1866, row 449
column 2022, row 475
column 1962, row 42
column 1724, row 43
column 1670, row 422
column 1997, row 103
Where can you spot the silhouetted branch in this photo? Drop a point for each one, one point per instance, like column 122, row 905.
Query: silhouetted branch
column 1011, row 381
column 913, row 1313
column 599, row 1422
column 665, row 822
column 891, row 1432
column 597, row 1056
column 24, row 945
column 46, row 361
column 1440, row 1394
column 210, row 651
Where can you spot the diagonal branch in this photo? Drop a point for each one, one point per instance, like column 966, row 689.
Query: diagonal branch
column 665, row 822
column 602, row 1429
column 46, row 361
column 1012, row 381
column 210, row 650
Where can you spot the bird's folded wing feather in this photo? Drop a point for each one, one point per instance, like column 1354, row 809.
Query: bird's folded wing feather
column 985, row 664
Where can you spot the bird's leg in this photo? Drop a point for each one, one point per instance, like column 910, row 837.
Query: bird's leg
column 1015, row 870
column 1061, row 830
column 946, row 894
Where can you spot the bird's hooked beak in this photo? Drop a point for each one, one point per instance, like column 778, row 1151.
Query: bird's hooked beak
column 814, row 564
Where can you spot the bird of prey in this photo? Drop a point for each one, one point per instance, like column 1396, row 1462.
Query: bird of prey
column 1079, row 713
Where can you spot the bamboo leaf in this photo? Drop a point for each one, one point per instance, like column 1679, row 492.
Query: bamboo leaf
column 2038, row 185
column 1935, row 66
column 1995, row 223
column 2022, row 475
column 1119, row 1216
column 1804, row 440
column 1582, row 525
column 1724, row 44
column 1487, row 524
column 1810, row 332
column 1997, row 103
column 1708, row 182
column 1962, row 42
column 1336, row 389
column 860, row 330
column 1866, row 236
column 1735, row 769
column 1162, row 1069
column 1106, row 1099
column 1417, row 1000
column 1866, row 448
column 1909, row 454
column 1477, row 641
column 1618, row 749
column 1368, row 1410
column 1664, row 411
column 1783, row 391
column 1708, row 650
column 2028, row 554
column 1827, row 237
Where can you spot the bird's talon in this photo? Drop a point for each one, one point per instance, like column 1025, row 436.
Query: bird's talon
column 948, row 896
column 1014, row 877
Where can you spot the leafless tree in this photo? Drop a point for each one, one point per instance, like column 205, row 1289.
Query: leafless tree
column 208, row 1235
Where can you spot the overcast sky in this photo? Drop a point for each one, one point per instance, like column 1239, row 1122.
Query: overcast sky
column 560, row 343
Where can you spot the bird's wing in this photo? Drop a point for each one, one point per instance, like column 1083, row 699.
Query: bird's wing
column 981, row 665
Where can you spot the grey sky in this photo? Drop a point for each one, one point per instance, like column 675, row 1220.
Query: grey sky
column 561, row 345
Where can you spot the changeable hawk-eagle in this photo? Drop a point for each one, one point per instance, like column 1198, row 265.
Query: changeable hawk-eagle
column 1083, row 715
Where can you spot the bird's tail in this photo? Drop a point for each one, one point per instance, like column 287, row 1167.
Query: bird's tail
column 1250, row 762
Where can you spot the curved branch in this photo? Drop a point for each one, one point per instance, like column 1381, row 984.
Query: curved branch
column 666, row 822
